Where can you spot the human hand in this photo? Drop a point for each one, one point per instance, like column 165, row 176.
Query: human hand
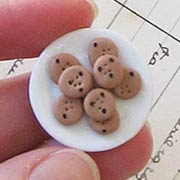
column 27, row 27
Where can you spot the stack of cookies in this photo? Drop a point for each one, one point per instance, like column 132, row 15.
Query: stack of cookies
column 93, row 92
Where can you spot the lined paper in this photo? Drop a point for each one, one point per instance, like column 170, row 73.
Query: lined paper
column 154, row 28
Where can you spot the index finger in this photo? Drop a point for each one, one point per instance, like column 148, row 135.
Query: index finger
column 27, row 27
column 37, row 29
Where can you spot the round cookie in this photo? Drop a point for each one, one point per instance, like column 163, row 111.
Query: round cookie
column 67, row 111
column 108, row 71
column 130, row 85
column 100, row 47
column 99, row 104
column 75, row 82
column 107, row 126
column 61, row 63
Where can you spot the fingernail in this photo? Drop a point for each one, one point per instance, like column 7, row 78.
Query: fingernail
column 148, row 125
column 94, row 6
column 66, row 164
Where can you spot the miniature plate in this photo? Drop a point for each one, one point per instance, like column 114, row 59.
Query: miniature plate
column 43, row 91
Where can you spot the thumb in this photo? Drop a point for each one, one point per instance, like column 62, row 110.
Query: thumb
column 50, row 163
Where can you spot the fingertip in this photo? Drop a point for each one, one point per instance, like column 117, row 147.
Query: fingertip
column 27, row 27
column 50, row 163
column 94, row 7
column 19, row 130
column 77, row 163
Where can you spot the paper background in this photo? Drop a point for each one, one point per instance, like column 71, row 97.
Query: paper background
column 156, row 35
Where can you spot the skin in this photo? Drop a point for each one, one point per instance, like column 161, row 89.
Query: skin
column 19, row 130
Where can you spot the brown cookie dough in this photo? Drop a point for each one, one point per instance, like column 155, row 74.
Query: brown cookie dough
column 108, row 126
column 99, row 104
column 130, row 85
column 68, row 111
column 61, row 63
column 100, row 47
column 108, row 71
column 75, row 82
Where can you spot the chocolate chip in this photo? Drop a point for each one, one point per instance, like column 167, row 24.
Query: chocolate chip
column 111, row 75
column 80, row 73
column 95, row 44
column 111, row 60
column 92, row 103
column 131, row 74
column 100, row 69
column 57, row 61
column 65, row 116
column 70, row 82
column 104, row 131
column 102, row 94
column 81, row 89
column 98, row 121
column 104, row 111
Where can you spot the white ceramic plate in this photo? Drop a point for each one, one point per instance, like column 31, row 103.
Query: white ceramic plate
column 43, row 91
